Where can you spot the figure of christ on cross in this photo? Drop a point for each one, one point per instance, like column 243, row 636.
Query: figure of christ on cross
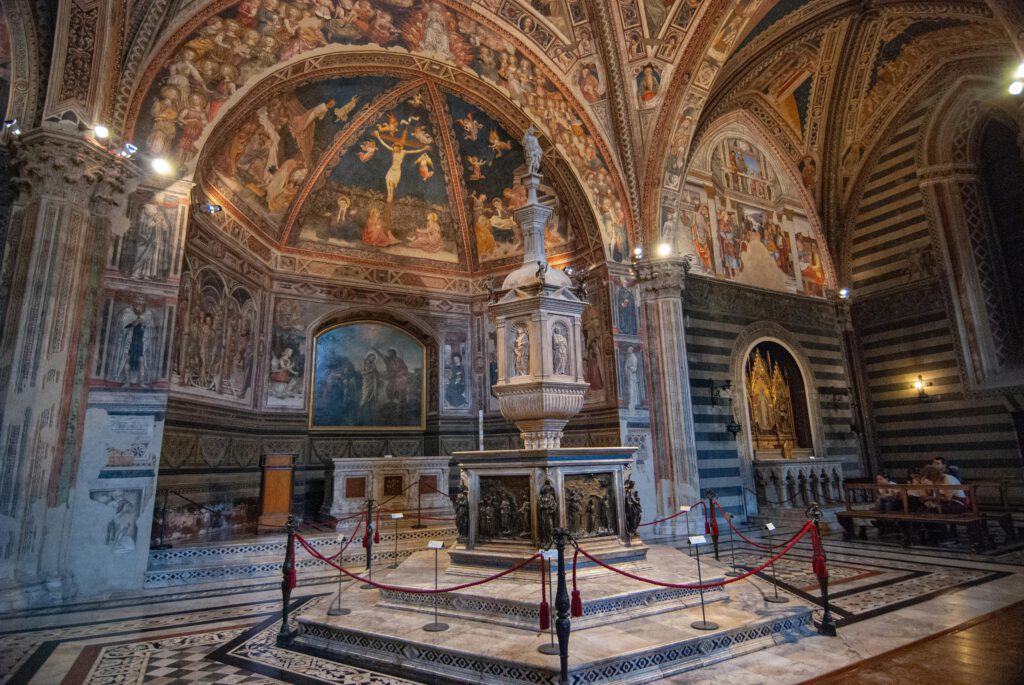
column 398, row 151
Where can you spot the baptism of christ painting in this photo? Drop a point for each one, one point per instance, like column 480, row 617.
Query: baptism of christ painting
column 367, row 376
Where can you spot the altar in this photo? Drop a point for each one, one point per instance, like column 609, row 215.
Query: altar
column 405, row 483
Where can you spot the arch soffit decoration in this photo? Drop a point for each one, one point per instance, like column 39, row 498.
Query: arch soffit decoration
column 690, row 88
column 739, row 123
column 24, row 99
column 746, row 341
column 161, row 55
column 918, row 91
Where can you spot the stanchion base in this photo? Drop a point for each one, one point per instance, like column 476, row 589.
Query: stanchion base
column 393, row 566
column 776, row 600
column 733, row 574
column 338, row 611
column 548, row 648
column 435, row 627
column 419, row 526
column 166, row 545
column 366, row 586
column 704, row 625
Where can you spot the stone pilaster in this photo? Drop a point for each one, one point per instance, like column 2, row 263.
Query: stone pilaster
column 675, row 452
column 860, row 399
column 51, row 274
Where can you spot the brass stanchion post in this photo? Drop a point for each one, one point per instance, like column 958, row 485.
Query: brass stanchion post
column 828, row 624
column 284, row 636
column 562, row 607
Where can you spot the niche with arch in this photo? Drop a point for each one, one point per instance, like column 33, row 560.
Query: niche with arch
column 776, row 403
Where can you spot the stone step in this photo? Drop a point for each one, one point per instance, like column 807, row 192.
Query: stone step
column 272, row 547
column 235, row 562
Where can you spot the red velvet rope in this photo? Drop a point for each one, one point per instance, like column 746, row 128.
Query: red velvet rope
column 348, row 542
column 737, row 530
column 691, row 586
column 701, row 503
column 413, row 590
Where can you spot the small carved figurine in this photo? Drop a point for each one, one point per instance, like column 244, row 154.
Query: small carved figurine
column 633, row 511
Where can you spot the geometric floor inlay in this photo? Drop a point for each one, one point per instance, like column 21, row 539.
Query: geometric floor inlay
column 228, row 636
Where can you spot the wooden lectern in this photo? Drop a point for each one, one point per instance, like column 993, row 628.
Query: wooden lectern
column 276, row 490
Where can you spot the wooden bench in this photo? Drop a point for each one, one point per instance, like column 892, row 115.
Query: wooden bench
column 975, row 522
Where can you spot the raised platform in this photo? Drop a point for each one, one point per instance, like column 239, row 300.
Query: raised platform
column 629, row 633
column 260, row 556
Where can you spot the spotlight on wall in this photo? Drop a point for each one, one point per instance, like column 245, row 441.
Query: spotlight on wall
column 844, row 293
column 10, row 122
column 638, row 252
column 15, row 131
column 733, row 428
column 1019, row 74
column 920, row 384
column 664, row 250
column 161, row 166
column 101, row 132
column 212, row 209
column 1016, row 88
column 720, row 390
column 127, row 150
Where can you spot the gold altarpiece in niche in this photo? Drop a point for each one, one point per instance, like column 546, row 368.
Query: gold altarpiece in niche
column 771, row 405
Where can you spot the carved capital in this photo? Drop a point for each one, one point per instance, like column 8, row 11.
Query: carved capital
column 660, row 278
column 66, row 167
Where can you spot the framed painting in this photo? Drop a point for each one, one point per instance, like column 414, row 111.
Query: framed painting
column 368, row 375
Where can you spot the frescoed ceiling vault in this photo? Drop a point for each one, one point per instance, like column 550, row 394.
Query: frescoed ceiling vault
column 622, row 92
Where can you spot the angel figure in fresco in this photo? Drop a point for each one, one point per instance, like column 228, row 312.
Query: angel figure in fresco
column 426, row 166
column 342, row 113
column 477, row 164
column 421, row 134
column 498, row 145
column 398, row 151
column 165, row 117
column 368, row 150
column 471, row 126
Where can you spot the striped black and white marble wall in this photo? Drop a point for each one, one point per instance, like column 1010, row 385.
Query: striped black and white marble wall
column 723, row 322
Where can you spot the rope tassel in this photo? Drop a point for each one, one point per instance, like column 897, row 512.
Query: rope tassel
column 376, row 532
column 818, row 557
column 545, row 608
column 576, row 609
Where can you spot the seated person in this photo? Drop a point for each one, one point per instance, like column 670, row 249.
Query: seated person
column 888, row 498
column 915, row 496
column 945, row 501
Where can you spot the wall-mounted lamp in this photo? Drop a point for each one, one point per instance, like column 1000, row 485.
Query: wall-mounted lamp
column 733, row 428
column 844, row 293
column 719, row 390
column 920, row 384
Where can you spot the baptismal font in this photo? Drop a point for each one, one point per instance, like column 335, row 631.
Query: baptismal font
column 513, row 500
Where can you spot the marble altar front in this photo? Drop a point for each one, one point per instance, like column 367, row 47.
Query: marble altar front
column 403, row 482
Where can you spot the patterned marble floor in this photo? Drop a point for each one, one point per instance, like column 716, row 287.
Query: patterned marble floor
column 883, row 596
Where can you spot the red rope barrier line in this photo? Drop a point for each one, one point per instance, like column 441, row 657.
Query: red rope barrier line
column 412, row 590
column 759, row 545
column 349, row 541
column 691, row 586
column 700, row 503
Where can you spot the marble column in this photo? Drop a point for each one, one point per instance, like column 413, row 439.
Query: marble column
column 675, row 451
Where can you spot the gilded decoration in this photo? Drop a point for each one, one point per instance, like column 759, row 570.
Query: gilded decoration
column 771, row 405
